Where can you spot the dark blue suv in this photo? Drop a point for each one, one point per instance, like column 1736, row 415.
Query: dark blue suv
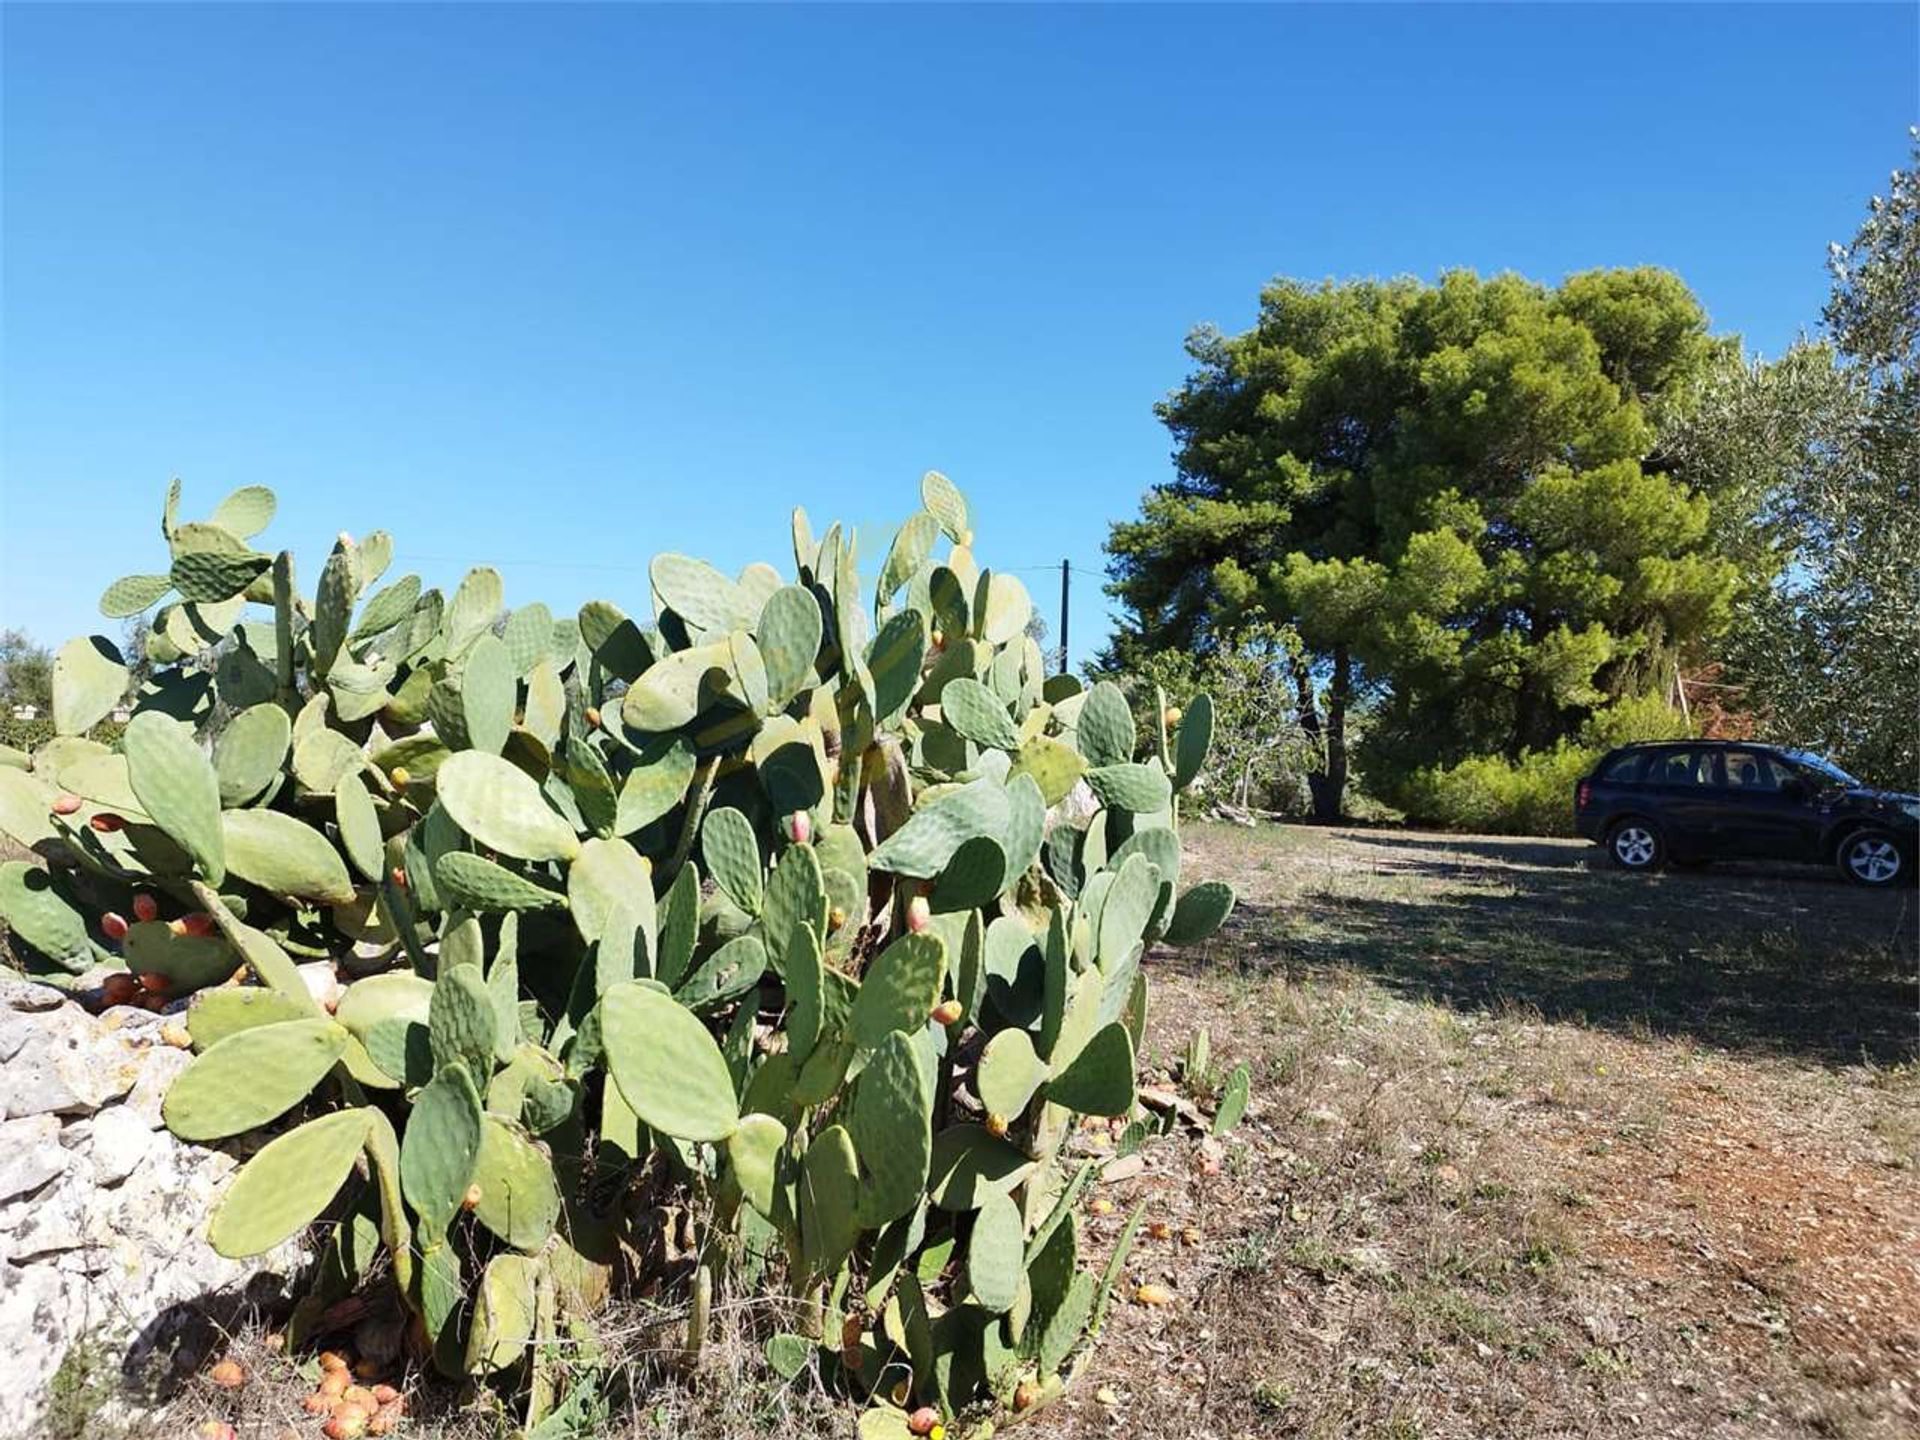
column 1690, row 802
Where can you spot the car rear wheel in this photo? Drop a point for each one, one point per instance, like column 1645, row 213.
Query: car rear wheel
column 1871, row 858
column 1636, row 845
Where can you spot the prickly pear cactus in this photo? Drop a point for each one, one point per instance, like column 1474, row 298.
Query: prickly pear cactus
column 776, row 897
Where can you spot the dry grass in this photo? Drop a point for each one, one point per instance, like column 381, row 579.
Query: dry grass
column 1536, row 1150
column 1539, row 1150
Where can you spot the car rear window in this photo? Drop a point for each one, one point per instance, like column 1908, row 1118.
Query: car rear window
column 1623, row 769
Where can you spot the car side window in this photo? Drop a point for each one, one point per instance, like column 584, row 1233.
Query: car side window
column 1623, row 769
column 1680, row 767
column 1752, row 771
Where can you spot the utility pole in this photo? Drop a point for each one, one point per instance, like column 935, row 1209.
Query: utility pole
column 1066, row 582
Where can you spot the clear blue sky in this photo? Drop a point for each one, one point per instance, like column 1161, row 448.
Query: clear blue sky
column 560, row 287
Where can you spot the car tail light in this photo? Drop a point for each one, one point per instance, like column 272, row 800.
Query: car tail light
column 1583, row 794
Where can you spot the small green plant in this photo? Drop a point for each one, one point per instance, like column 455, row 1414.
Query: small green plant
column 763, row 909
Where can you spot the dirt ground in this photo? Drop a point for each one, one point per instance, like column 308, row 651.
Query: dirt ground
column 1537, row 1149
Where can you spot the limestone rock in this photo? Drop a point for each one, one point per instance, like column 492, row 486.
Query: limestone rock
column 103, row 1214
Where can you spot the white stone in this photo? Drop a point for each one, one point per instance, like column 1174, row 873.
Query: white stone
column 103, row 1213
column 121, row 1140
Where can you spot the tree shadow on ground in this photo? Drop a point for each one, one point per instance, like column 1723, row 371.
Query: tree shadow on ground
column 1746, row 957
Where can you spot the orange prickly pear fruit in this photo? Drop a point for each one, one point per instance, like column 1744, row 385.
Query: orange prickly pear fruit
column 197, row 922
column 922, row 1421
column 997, row 1126
column 400, row 776
column 948, row 1011
column 228, row 1375
column 593, row 717
column 919, row 914
column 66, row 804
column 472, row 1198
column 106, row 824
column 1172, row 716
column 145, row 907
column 800, row 827
column 113, row 925
column 154, row 983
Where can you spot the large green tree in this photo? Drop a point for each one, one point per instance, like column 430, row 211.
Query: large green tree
column 1448, row 493
column 1813, row 465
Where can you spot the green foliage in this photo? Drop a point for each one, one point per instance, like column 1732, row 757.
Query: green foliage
column 1445, row 497
column 1532, row 794
column 496, row 826
column 1811, row 461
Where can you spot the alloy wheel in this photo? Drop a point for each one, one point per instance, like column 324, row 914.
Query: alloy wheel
column 1873, row 859
column 1634, row 846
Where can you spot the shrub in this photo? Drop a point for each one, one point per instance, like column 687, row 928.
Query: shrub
column 756, row 915
column 1533, row 795
column 1260, row 756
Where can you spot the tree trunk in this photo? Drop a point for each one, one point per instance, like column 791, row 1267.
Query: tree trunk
column 1335, row 803
column 1328, row 787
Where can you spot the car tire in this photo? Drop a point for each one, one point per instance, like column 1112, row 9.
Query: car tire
column 1636, row 845
column 1871, row 857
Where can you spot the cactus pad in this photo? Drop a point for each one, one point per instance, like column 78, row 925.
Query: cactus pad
column 283, row 856
column 667, row 1066
column 176, row 785
column 283, row 1189
column 499, row 805
column 441, row 1147
column 251, row 1077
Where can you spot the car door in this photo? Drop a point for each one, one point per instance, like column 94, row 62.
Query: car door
column 1678, row 784
column 1751, row 810
column 1783, row 807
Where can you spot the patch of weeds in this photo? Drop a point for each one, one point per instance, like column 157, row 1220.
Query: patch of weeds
column 1318, row 1259
column 1611, row 1361
column 1272, row 1397
column 85, row 1383
column 1539, row 1256
column 1461, row 1318
column 1253, row 1252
